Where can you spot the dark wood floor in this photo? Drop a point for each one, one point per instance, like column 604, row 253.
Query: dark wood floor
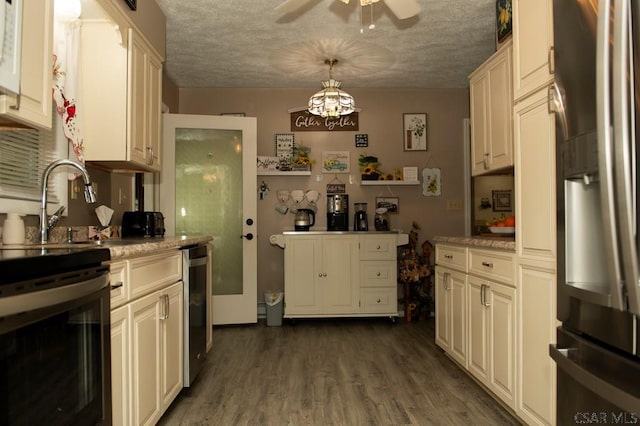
column 332, row 372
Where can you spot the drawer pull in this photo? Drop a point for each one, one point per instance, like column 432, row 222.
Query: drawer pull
column 116, row 285
column 378, row 301
column 448, row 256
column 378, row 274
column 487, row 264
column 377, row 247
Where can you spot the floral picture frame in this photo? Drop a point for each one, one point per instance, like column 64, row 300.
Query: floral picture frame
column 415, row 132
column 503, row 21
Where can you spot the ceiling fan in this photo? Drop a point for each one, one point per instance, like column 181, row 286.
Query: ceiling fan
column 402, row 9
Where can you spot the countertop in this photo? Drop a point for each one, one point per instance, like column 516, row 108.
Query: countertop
column 489, row 242
column 140, row 246
column 118, row 248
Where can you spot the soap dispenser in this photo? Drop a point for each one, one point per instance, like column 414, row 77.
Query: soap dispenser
column 13, row 229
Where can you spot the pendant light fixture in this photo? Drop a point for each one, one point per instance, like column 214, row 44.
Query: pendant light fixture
column 331, row 101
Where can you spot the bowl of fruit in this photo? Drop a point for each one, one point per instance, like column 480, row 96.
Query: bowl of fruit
column 503, row 225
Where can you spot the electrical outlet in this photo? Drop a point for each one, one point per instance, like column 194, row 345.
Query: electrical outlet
column 454, row 205
column 74, row 189
column 121, row 196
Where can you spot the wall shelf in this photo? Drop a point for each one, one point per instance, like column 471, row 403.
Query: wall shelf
column 279, row 173
column 389, row 182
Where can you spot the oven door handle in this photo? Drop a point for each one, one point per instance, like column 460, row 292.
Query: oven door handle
column 592, row 382
column 52, row 296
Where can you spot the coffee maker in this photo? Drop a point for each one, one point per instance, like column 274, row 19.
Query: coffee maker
column 360, row 220
column 337, row 212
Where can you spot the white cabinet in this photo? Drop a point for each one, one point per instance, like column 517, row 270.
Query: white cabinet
column 340, row 275
column 451, row 313
column 33, row 105
column 535, row 178
column 321, row 275
column 156, row 353
column 122, row 85
column 537, row 323
column 120, row 325
column 378, row 275
column 146, row 336
column 476, row 314
column 491, row 100
column 492, row 336
column 532, row 46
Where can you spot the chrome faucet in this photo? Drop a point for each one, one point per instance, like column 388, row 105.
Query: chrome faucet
column 89, row 195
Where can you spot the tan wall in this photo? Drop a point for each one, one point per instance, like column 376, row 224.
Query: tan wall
column 381, row 119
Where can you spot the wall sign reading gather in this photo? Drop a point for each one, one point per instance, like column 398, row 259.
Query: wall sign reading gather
column 303, row 121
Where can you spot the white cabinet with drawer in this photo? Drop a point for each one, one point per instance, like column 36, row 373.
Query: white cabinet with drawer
column 378, row 275
column 340, row 275
column 146, row 336
column 476, row 314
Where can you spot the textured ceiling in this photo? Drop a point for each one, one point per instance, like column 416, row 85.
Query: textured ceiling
column 247, row 43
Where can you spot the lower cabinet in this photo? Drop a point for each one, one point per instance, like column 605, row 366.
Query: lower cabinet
column 491, row 359
column 156, row 358
column 451, row 313
column 146, row 336
column 340, row 275
column 476, row 315
column 537, row 324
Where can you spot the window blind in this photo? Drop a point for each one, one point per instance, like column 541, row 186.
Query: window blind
column 24, row 155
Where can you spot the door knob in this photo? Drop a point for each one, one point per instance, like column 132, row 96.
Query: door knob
column 248, row 236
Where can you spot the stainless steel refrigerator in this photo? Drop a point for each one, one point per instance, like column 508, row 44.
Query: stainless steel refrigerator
column 594, row 96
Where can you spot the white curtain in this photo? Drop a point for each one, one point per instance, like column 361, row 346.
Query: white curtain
column 67, row 79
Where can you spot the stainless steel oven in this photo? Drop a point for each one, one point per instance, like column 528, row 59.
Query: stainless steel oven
column 54, row 337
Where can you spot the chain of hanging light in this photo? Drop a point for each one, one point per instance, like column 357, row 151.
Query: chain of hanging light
column 331, row 101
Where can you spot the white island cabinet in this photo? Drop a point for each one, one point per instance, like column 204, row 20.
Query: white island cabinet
column 344, row 274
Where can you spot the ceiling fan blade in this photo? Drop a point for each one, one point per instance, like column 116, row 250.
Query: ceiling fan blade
column 288, row 6
column 403, row 9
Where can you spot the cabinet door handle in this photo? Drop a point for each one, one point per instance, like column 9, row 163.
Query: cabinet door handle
column 378, row 274
column 378, row 301
column 551, row 61
column 16, row 107
column 486, row 161
column 166, row 299
column 487, row 264
column 445, row 278
column 116, row 285
column 165, row 307
column 487, row 304
column 448, row 256
column 150, row 153
column 377, row 247
column 482, row 294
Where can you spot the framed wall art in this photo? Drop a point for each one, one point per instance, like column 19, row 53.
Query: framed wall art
column 392, row 204
column 501, row 200
column 285, row 142
column 415, row 132
column 335, row 162
column 503, row 20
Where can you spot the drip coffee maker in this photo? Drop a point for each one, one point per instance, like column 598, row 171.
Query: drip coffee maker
column 360, row 220
column 337, row 212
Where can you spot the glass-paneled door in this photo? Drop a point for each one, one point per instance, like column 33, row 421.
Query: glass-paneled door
column 208, row 187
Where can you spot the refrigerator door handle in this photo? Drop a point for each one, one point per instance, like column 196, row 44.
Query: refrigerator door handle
column 605, row 154
column 624, row 139
column 591, row 381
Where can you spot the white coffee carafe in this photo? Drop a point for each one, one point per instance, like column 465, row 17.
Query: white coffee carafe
column 13, row 229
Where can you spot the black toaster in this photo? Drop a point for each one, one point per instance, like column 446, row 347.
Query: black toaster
column 142, row 224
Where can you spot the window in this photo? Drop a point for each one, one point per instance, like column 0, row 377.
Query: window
column 24, row 155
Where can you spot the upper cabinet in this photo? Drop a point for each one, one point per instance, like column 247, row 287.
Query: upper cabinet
column 491, row 100
column 122, row 85
column 32, row 106
column 533, row 45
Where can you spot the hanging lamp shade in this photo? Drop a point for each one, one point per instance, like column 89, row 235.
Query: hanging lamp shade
column 331, row 101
